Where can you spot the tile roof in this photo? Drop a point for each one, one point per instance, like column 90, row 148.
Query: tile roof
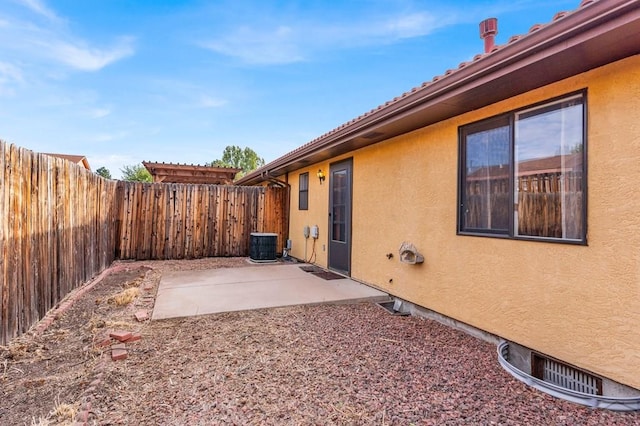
column 517, row 48
column 534, row 28
column 76, row 159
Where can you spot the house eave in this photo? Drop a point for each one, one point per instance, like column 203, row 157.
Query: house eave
column 593, row 36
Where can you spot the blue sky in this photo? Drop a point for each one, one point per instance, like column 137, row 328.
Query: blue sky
column 176, row 81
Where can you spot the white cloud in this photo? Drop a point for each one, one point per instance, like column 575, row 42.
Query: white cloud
column 40, row 8
column 9, row 76
column 273, row 46
column 287, row 43
column 185, row 94
column 98, row 112
column 52, row 43
column 10, row 72
column 87, row 58
column 210, row 102
column 413, row 25
column 108, row 137
column 6, row 92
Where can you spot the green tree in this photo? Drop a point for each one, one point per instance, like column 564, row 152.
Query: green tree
column 104, row 172
column 136, row 173
column 245, row 159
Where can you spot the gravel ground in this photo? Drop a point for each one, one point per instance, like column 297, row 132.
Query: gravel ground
column 321, row 365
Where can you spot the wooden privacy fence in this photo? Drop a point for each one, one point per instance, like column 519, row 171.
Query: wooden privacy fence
column 61, row 225
column 548, row 204
column 57, row 230
column 177, row 221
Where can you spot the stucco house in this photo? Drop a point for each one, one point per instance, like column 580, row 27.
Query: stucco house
column 510, row 182
column 80, row 160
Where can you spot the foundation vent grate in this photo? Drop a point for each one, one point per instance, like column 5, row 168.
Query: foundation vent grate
column 564, row 375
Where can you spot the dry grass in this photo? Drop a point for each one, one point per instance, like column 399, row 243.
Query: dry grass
column 40, row 422
column 119, row 324
column 17, row 350
column 135, row 283
column 95, row 324
column 64, row 413
column 125, row 297
column 61, row 415
column 21, row 349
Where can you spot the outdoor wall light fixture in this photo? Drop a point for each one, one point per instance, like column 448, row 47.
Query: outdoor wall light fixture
column 321, row 176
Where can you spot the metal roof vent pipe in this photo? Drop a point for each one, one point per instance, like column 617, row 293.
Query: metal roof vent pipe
column 488, row 31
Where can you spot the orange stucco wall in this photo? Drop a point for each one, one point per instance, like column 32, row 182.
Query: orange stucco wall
column 580, row 304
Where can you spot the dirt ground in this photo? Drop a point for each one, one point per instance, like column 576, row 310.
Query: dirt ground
column 331, row 364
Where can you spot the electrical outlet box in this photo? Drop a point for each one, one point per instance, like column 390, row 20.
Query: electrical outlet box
column 314, row 231
column 305, row 231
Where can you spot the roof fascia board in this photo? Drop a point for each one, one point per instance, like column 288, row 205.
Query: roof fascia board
column 554, row 38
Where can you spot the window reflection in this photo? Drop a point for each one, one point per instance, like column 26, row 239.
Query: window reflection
column 549, row 168
column 339, row 190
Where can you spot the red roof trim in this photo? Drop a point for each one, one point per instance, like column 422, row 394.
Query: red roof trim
column 502, row 59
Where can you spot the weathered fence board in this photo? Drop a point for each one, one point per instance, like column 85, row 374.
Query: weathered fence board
column 57, row 230
column 4, row 233
column 60, row 225
column 178, row 221
column 548, row 205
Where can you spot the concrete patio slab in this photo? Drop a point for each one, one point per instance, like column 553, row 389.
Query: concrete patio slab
column 189, row 293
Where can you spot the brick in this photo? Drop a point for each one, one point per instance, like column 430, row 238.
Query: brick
column 118, row 352
column 121, row 336
column 148, row 286
column 103, row 341
column 134, row 338
column 142, row 315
